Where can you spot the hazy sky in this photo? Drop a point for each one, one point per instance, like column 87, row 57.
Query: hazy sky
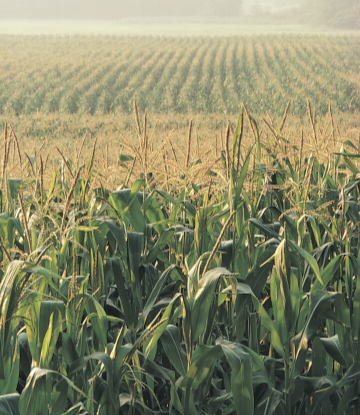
column 117, row 9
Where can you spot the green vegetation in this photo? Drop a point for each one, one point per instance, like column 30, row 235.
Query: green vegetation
column 183, row 75
column 235, row 291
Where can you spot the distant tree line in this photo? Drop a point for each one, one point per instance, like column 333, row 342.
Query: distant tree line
column 115, row 9
column 338, row 14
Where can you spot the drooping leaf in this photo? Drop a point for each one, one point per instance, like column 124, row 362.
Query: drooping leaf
column 203, row 300
column 9, row 404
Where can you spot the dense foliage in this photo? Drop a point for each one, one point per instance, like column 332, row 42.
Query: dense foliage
column 187, row 75
column 235, row 293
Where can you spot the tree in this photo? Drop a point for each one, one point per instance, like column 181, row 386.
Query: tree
column 344, row 14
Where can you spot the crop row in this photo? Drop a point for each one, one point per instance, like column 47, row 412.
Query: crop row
column 185, row 75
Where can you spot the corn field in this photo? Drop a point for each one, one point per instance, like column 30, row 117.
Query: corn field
column 221, row 281
column 182, row 75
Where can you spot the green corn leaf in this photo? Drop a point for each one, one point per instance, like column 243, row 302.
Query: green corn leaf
column 241, row 376
column 241, row 179
column 119, row 236
column 9, row 404
column 128, row 206
column 167, row 197
column 270, row 325
column 269, row 405
column 319, row 304
column 69, row 351
column 150, row 347
column 327, row 274
column 268, row 230
column 284, row 304
column 351, row 376
column 75, row 410
column 130, row 316
column 37, row 325
column 50, row 339
column 14, row 186
column 81, row 363
column 203, row 361
column 235, row 151
column 59, row 398
column 124, row 158
column 165, row 237
column 170, row 340
column 203, row 300
column 154, row 295
column 36, row 395
column 334, row 349
column 7, row 230
column 315, row 229
column 13, row 363
column 6, row 286
column 154, row 213
column 309, row 259
column 63, row 253
column 99, row 320
column 135, row 246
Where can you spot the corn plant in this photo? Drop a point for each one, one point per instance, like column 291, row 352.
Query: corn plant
column 231, row 289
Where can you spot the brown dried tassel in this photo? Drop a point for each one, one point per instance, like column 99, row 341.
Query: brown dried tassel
column 91, row 160
column 107, row 155
column 41, row 181
column 138, row 127
column 312, row 121
column 78, row 154
column 8, row 150
column 332, row 123
column 309, row 184
column 250, row 122
column 128, row 176
column 227, row 150
column 145, row 125
column 173, row 151
column 240, row 139
column 65, row 162
column 145, row 144
column 4, row 250
column 13, row 158
column 286, row 113
column 197, row 145
column 17, row 145
column 5, row 148
column 90, row 164
column 166, row 171
column 67, row 203
column 46, row 160
column 218, row 242
column 301, row 150
column 189, row 145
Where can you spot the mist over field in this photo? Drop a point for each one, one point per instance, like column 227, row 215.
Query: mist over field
column 320, row 13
